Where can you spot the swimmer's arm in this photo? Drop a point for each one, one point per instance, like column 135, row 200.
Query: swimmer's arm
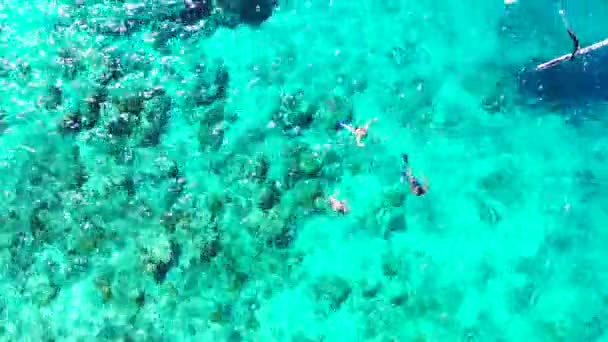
column 370, row 122
column 348, row 127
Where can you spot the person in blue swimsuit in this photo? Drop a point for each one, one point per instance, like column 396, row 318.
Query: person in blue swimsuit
column 416, row 187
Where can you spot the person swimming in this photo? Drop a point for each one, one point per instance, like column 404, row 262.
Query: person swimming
column 358, row 132
column 339, row 206
column 416, row 187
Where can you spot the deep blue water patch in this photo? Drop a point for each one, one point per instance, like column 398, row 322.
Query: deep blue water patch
column 581, row 81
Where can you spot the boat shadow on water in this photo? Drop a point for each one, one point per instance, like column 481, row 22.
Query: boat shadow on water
column 577, row 88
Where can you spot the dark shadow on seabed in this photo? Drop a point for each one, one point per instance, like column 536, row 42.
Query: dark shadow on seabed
column 581, row 81
column 577, row 89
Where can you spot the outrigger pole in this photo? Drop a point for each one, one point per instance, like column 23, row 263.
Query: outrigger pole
column 569, row 57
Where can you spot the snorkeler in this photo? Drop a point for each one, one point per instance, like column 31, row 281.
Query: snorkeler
column 416, row 187
column 358, row 132
column 339, row 206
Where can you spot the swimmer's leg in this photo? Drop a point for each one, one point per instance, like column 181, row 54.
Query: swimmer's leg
column 345, row 125
column 368, row 123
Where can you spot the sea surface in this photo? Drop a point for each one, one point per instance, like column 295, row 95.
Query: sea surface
column 184, row 171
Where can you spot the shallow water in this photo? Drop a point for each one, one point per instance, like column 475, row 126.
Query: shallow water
column 166, row 173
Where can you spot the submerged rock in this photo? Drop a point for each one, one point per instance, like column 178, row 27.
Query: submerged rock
column 211, row 129
column 395, row 222
column 261, row 167
column 306, row 193
column 268, row 197
column 3, row 124
column 160, row 256
column 395, row 196
column 70, row 123
column 103, row 283
column 310, row 163
column 336, row 109
column 211, row 83
column 53, row 98
column 333, row 290
column 154, row 118
column 294, row 112
column 250, row 11
column 195, row 10
column 86, row 115
column 40, row 288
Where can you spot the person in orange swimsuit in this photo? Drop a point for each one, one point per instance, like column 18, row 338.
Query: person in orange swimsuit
column 339, row 206
column 358, row 132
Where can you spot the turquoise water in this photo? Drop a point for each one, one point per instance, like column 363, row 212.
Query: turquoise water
column 166, row 174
